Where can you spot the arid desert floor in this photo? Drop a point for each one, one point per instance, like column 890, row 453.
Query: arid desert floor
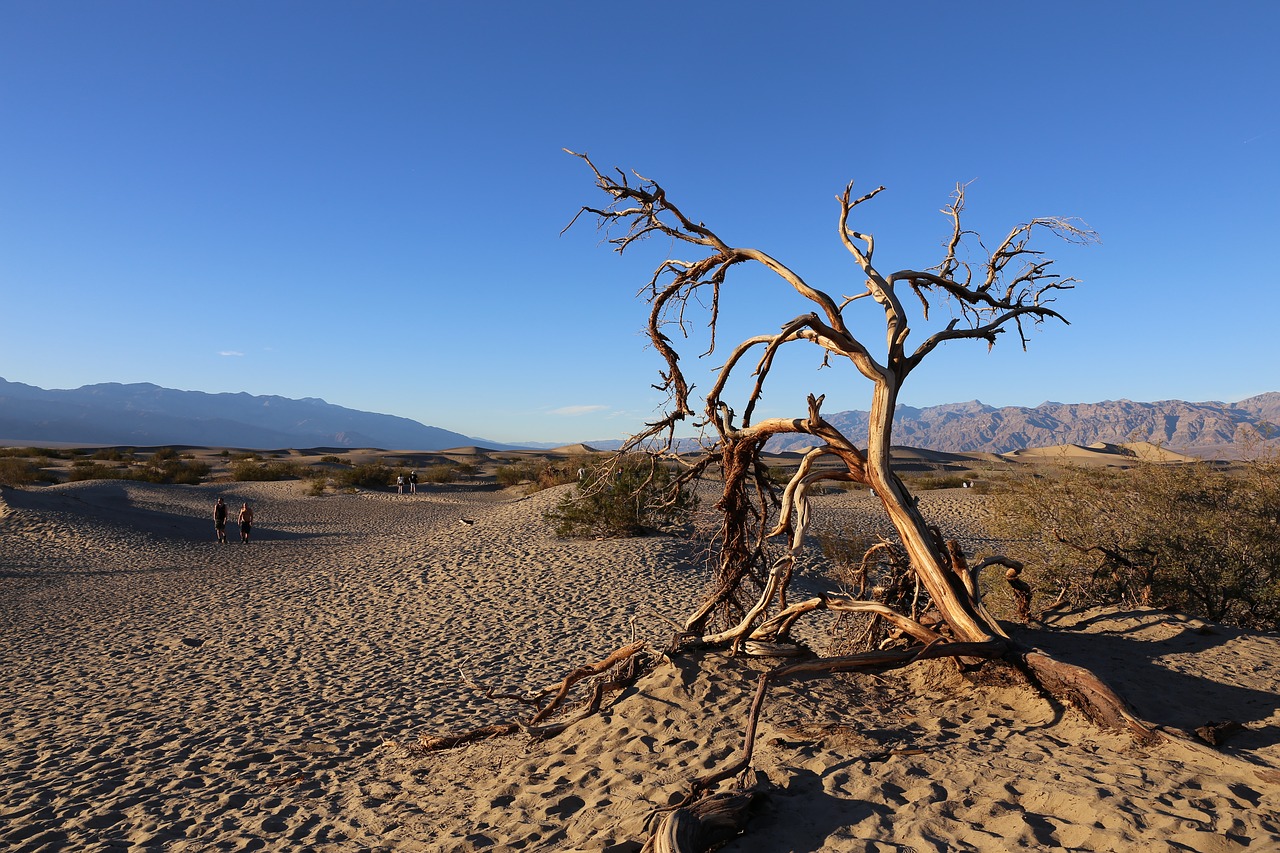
column 159, row 691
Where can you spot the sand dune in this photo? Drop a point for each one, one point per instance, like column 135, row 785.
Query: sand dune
column 161, row 692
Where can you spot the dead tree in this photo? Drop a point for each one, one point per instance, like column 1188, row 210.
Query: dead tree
column 1010, row 288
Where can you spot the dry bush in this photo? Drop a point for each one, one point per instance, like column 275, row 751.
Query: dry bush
column 1192, row 537
column 15, row 471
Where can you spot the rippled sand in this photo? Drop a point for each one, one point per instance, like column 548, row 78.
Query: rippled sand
column 159, row 691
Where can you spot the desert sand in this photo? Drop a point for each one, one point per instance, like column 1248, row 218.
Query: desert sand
column 159, row 691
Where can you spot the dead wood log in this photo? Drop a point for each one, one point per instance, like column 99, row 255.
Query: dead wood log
column 586, row 671
column 701, row 825
column 1215, row 734
column 1089, row 693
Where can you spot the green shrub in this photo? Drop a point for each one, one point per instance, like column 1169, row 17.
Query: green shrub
column 248, row 470
column 627, row 497
column 372, row 475
column 541, row 474
column 522, row 471
column 83, row 469
column 15, row 471
column 1190, row 537
column 49, row 453
column 336, row 460
column 438, row 474
column 165, row 470
column 938, row 481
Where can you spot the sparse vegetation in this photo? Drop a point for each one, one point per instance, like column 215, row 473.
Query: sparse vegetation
column 372, row 475
column 630, row 496
column 541, row 474
column 261, row 471
column 163, row 466
column 17, row 471
column 1191, row 537
column 935, row 481
column 438, row 474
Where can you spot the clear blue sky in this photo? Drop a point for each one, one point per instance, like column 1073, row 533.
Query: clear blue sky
column 362, row 201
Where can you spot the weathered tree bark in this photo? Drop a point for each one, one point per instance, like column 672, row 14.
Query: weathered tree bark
column 1014, row 284
column 703, row 824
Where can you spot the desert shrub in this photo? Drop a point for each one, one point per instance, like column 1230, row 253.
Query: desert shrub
column 84, row 469
column 438, row 474
column 372, row 475
column 168, row 468
column 164, row 470
column 317, row 486
column 16, row 471
column 936, row 481
column 541, row 474
column 628, row 497
column 250, row 470
column 1190, row 537
column 48, row 452
column 337, row 460
column 522, row 471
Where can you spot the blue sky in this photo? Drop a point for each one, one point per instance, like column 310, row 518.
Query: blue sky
column 363, row 201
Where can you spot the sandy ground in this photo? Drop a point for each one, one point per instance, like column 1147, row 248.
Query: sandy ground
column 159, row 691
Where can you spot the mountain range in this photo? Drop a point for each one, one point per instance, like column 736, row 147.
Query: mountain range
column 148, row 415
column 1210, row 428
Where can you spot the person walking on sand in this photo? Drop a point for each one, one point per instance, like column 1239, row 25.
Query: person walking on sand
column 220, row 521
column 413, row 482
column 246, row 522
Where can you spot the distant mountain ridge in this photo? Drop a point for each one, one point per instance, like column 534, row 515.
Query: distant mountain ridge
column 143, row 414
column 148, row 415
column 974, row 427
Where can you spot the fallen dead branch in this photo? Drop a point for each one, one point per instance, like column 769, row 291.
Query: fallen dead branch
column 535, row 726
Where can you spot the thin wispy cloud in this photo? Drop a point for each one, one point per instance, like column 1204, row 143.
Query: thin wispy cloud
column 575, row 411
column 230, row 352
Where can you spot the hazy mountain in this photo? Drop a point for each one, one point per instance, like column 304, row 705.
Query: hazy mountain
column 148, row 415
column 976, row 427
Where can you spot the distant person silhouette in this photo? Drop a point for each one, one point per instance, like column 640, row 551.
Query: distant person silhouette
column 220, row 520
column 399, row 484
column 413, row 482
column 246, row 522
